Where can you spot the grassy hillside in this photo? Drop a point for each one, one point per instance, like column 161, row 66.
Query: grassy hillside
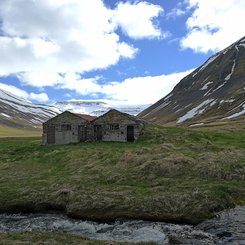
column 6, row 131
column 170, row 174
column 222, row 126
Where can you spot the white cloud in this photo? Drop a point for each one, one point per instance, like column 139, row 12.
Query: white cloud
column 175, row 12
column 214, row 25
column 42, row 39
column 42, row 97
column 40, row 79
column 143, row 90
column 126, row 50
column 136, row 19
column 73, row 81
column 14, row 90
column 137, row 90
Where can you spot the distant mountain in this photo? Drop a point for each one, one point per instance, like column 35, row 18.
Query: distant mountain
column 19, row 113
column 214, row 91
column 97, row 108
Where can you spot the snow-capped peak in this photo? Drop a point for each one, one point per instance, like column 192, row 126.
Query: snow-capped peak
column 97, row 108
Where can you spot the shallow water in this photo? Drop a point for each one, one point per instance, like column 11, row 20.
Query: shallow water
column 227, row 228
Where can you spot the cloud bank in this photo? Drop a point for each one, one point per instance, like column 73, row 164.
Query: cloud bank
column 137, row 90
column 133, row 91
column 214, row 25
column 42, row 39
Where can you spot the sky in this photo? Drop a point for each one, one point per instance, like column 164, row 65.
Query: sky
column 121, row 52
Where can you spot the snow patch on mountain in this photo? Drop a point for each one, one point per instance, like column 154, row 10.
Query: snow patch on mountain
column 233, row 66
column 238, row 113
column 195, row 111
column 210, row 60
column 5, row 115
column 205, row 86
column 167, row 97
column 196, row 125
column 227, row 101
column 211, row 90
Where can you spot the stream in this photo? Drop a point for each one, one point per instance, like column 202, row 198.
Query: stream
column 228, row 227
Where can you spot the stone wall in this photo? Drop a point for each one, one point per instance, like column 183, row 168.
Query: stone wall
column 70, row 128
column 115, row 126
column 66, row 129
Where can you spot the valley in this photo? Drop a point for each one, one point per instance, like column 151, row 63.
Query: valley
column 187, row 165
column 122, row 122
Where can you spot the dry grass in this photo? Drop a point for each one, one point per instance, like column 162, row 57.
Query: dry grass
column 14, row 132
column 223, row 126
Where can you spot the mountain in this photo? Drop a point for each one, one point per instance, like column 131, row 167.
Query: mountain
column 97, row 108
column 213, row 92
column 19, row 113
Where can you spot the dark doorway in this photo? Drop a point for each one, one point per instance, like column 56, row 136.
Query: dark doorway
column 82, row 132
column 130, row 133
column 98, row 132
column 51, row 135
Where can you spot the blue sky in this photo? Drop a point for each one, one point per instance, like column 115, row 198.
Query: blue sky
column 122, row 52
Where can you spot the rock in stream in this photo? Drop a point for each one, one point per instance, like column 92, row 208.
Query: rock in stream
column 228, row 227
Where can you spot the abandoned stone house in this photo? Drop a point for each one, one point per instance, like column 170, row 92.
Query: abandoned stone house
column 117, row 126
column 114, row 125
column 66, row 128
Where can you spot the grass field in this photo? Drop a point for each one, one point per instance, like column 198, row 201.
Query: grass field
column 14, row 132
column 169, row 174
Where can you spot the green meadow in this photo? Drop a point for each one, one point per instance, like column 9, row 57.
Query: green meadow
column 6, row 131
column 169, row 174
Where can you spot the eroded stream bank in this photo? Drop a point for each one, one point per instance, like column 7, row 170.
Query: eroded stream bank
column 227, row 227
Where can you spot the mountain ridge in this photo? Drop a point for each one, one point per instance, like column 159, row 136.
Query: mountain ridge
column 20, row 113
column 16, row 112
column 214, row 91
